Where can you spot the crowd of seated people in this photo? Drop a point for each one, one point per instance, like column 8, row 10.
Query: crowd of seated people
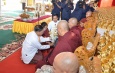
column 69, row 35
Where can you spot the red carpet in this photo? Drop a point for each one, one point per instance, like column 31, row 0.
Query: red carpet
column 13, row 64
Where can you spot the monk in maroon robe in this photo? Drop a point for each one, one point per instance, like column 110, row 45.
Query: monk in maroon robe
column 46, row 31
column 73, row 26
column 88, row 14
column 67, row 42
column 81, row 24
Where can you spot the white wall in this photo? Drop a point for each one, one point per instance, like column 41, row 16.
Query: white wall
column 12, row 5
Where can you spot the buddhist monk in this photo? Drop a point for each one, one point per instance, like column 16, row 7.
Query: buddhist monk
column 88, row 14
column 66, row 62
column 83, row 20
column 67, row 42
column 73, row 25
column 81, row 23
column 46, row 31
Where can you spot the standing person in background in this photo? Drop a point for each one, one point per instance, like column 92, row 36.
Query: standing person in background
column 56, row 8
column 23, row 4
column 88, row 6
column 67, row 7
column 78, row 11
column 91, row 5
column 62, row 1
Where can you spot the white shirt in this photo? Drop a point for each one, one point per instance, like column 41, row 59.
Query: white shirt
column 31, row 45
column 52, row 24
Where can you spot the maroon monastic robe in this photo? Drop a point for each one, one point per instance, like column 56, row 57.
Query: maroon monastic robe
column 46, row 33
column 67, row 43
column 80, row 28
column 77, row 29
column 83, row 20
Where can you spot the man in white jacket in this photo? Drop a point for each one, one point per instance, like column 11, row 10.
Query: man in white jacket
column 32, row 44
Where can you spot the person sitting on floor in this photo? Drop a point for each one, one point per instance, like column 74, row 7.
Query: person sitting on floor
column 46, row 31
column 74, row 27
column 32, row 44
column 54, row 22
column 81, row 23
column 67, row 42
column 66, row 62
column 88, row 14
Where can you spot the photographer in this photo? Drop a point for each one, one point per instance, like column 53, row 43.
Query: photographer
column 79, row 10
column 56, row 8
column 67, row 7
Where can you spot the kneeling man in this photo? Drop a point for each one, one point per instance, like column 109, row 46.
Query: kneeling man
column 32, row 45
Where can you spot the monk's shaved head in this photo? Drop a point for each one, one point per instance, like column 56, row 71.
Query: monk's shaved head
column 66, row 62
column 63, row 24
column 88, row 13
column 62, row 27
column 72, row 22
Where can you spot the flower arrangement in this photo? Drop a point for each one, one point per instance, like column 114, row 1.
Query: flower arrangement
column 24, row 15
column 53, row 34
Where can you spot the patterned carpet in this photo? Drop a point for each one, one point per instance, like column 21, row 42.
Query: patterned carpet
column 9, row 42
column 6, row 21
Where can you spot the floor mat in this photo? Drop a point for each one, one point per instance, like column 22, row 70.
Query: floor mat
column 13, row 64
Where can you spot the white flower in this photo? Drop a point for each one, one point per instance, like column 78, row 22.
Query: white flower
column 53, row 34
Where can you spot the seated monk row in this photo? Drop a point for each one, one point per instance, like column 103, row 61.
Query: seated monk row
column 68, row 40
